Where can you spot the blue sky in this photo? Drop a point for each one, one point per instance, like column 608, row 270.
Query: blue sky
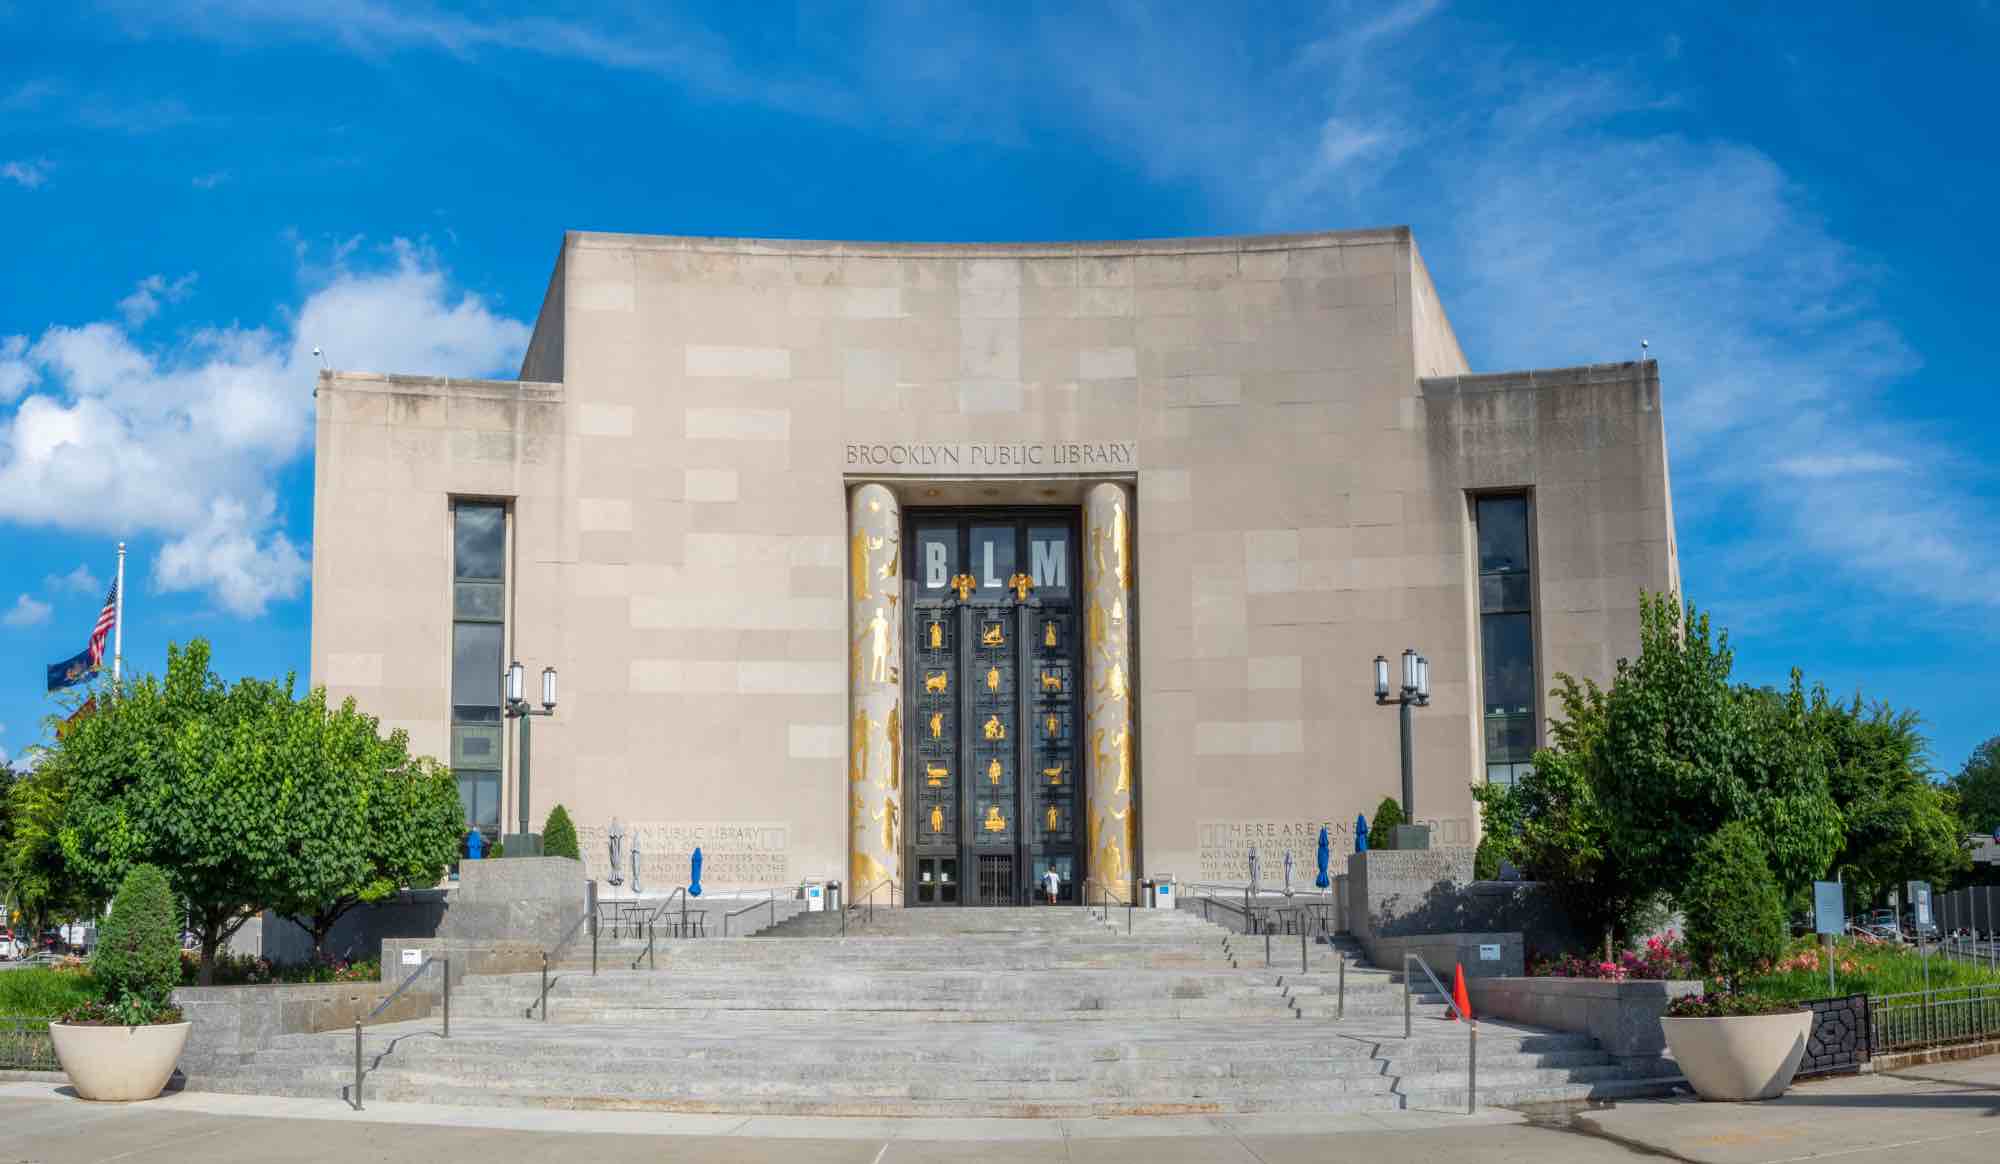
column 1795, row 210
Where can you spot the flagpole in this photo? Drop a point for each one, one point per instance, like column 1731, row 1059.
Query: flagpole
column 118, row 624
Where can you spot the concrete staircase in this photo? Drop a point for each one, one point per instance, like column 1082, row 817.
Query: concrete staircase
column 970, row 1012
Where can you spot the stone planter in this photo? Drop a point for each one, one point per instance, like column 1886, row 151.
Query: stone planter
column 1752, row 1057
column 119, row 1064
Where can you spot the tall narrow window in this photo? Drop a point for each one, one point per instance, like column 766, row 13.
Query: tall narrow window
column 1506, row 635
column 478, row 644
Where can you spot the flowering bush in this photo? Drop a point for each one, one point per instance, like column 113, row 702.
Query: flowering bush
column 245, row 970
column 1738, row 1005
column 1663, row 957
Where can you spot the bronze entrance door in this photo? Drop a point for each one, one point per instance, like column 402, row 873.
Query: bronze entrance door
column 992, row 738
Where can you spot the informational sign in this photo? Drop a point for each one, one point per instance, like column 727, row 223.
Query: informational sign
column 1920, row 902
column 413, row 957
column 815, row 898
column 1489, row 953
column 1829, row 907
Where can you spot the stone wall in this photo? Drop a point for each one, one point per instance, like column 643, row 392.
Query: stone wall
column 1624, row 1017
column 1402, row 893
column 230, row 1023
column 1443, row 952
column 532, row 900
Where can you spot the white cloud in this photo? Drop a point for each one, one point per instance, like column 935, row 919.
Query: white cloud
column 144, row 301
column 15, row 371
column 26, row 611
column 187, row 439
column 1834, row 466
column 209, row 181
column 77, row 581
column 28, row 175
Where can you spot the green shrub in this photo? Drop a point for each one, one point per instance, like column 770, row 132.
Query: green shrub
column 1487, row 859
column 1382, row 830
column 559, row 835
column 138, row 960
column 1735, row 916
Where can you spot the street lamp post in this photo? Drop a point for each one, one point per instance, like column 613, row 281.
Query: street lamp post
column 1415, row 691
column 517, row 708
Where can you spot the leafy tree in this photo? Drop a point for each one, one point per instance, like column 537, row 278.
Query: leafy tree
column 247, row 798
column 1978, row 788
column 39, row 884
column 1735, row 918
column 559, row 835
column 1900, row 825
column 1382, row 830
column 1683, row 753
column 138, row 958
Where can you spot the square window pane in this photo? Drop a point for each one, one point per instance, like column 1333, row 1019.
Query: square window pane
column 479, row 795
column 479, row 540
column 1048, row 559
column 475, row 745
column 937, row 559
column 992, row 558
column 1510, row 739
column 1503, row 534
column 475, row 664
column 1507, row 663
column 483, row 600
column 1501, row 593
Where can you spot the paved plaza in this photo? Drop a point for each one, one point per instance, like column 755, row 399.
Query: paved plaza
column 1944, row 1112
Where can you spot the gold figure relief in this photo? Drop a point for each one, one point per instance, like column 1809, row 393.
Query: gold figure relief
column 1095, row 619
column 1118, row 610
column 862, row 726
column 994, row 729
column 993, row 771
column 1049, row 634
column 937, row 725
column 964, row 585
column 879, row 651
column 936, row 774
column 1021, row 585
column 937, row 681
column 937, row 636
column 1123, row 745
column 894, row 566
column 995, row 635
column 892, row 735
column 937, row 819
column 992, row 678
column 888, row 818
column 1054, row 774
column 994, row 822
column 1052, row 817
column 1051, row 682
column 1113, row 686
column 858, row 551
column 1121, row 538
column 1054, row 725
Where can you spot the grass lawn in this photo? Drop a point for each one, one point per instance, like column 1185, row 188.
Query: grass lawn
column 1861, row 968
column 39, row 992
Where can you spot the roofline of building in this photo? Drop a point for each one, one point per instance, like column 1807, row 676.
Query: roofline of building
column 1542, row 377
column 1210, row 244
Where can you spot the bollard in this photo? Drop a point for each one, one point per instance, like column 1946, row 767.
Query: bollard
column 357, row 1064
column 1303, row 964
column 1471, row 1064
column 446, row 963
column 1341, row 1012
column 545, row 988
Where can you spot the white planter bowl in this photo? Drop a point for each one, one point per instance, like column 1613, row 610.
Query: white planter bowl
column 1753, row 1057
column 119, row 1064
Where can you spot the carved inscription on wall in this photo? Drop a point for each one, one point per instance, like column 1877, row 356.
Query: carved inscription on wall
column 733, row 853
column 957, row 460
column 1223, row 846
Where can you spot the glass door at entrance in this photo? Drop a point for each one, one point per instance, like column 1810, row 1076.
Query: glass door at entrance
column 992, row 741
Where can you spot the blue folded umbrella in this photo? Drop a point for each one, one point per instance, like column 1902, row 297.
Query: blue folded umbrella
column 694, row 879
column 1360, row 834
column 1325, row 855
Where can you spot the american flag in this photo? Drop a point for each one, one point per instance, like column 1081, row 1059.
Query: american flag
column 106, row 619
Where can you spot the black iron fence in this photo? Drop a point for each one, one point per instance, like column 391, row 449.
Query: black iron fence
column 25, row 1045
column 1934, row 1018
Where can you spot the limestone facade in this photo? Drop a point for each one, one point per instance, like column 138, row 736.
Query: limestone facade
column 1288, row 423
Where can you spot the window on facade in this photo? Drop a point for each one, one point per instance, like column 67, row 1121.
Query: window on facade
column 1506, row 635
column 478, row 646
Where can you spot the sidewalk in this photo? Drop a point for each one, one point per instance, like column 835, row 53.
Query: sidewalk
column 1940, row 1113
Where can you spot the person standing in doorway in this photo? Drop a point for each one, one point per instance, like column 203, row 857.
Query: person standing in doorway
column 1052, row 884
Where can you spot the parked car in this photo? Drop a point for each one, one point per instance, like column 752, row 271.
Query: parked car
column 10, row 946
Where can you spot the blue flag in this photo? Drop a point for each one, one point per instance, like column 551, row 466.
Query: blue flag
column 71, row 671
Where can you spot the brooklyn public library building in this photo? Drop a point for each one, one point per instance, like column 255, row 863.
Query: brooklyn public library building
column 954, row 563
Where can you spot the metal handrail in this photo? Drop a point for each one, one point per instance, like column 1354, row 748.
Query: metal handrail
column 867, row 901
column 1471, row 1026
column 1105, row 904
column 771, row 900
column 542, row 1000
column 384, row 1005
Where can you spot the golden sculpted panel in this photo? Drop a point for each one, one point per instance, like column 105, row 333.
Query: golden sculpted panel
column 935, row 775
column 936, row 681
column 994, row 822
column 994, row 729
column 992, row 678
column 937, row 636
column 993, row 770
column 993, row 636
column 875, row 712
column 937, row 725
column 1107, row 579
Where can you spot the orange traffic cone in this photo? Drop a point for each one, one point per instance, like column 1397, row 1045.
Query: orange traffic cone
column 1458, row 996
